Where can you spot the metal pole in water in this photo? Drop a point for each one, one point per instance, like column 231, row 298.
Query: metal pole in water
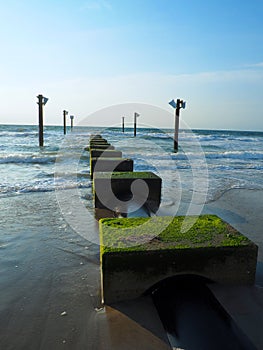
column 136, row 115
column 40, row 118
column 177, row 105
column 71, row 120
column 123, row 124
column 41, row 102
column 176, row 126
column 65, row 113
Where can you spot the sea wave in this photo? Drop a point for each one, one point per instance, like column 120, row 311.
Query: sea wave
column 242, row 155
column 18, row 189
column 13, row 134
column 22, row 158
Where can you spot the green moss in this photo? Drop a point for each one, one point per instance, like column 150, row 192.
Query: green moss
column 121, row 235
column 105, row 152
column 109, row 159
column 99, row 144
column 110, row 163
column 94, row 144
column 127, row 175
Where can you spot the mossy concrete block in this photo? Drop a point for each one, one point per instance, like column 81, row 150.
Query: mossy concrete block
column 104, row 213
column 96, row 137
column 121, row 185
column 101, row 146
column 96, row 153
column 110, row 164
column 210, row 248
column 99, row 141
column 94, row 144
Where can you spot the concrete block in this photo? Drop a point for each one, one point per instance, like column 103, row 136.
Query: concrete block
column 101, row 146
column 111, row 187
column 96, row 153
column 210, row 248
column 99, row 141
column 110, row 165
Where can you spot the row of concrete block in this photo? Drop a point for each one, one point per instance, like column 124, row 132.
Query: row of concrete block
column 213, row 250
column 116, row 185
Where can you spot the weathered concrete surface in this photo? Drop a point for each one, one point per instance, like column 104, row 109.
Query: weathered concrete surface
column 96, row 153
column 99, row 142
column 104, row 213
column 126, row 273
column 101, row 146
column 110, row 164
column 110, row 186
column 96, row 137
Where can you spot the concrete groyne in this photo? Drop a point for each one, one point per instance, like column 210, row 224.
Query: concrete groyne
column 211, row 249
column 129, row 266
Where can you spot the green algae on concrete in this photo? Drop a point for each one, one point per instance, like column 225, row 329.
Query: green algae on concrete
column 100, row 146
column 95, row 153
column 99, row 142
column 207, row 231
column 110, row 165
column 128, row 175
column 137, row 253
column 93, row 136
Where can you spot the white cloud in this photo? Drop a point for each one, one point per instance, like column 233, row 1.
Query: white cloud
column 255, row 65
column 213, row 98
column 222, row 99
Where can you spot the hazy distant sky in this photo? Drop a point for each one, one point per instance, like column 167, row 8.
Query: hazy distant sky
column 87, row 55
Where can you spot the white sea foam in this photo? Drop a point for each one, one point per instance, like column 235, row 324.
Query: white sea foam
column 234, row 159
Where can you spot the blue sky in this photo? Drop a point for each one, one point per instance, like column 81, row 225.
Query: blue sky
column 87, row 55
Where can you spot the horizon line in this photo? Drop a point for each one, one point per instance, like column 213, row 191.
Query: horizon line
column 130, row 127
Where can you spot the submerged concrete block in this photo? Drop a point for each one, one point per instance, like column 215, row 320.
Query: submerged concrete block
column 94, row 136
column 96, row 153
column 137, row 253
column 143, row 187
column 97, row 138
column 98, row 141
column 110, row 165
column 101, row 146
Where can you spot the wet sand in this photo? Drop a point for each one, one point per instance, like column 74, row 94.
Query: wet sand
column 243, row 209
column 50, row 283
column 45, row 273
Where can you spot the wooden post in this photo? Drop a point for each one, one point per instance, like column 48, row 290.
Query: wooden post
column 71, row 121
column 136, row 115
column 177, row 105
column 40, row 115
column 176, row 127
column 64, row 121
column 123, row 124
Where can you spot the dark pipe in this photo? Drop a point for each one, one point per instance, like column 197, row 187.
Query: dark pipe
column 194, row 319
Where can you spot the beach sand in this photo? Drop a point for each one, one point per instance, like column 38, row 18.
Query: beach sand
column 50, row 285
column 243, row 209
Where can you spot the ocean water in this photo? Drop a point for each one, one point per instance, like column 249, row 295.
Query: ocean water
column 48, row 264
column 209, row 162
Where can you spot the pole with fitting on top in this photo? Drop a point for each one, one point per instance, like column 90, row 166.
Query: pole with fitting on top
column 177, row 106
column 41, row 102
